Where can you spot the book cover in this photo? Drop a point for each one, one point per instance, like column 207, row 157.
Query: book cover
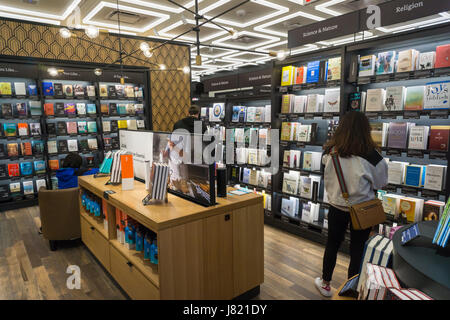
column 300, row 75
column 436, row 96
column 22, row 129
column 122, row 108
column 103, row 88
column 37, row 146
column 334, row 69
column 72, row 145
column 131, row 110
column 90, row 91
column 115, row 143
column 7, row 111
column 418, row 137
column 81, row 109
column 53, row 164
column 131, row 124
column 106, row 125
column 3, row 171
column 375, row 100
column 386, row 62
column 129, row 91
column 26, row 149
column 406, row 61
column 61, row 128
column 78, row 90
column 92, row 143
column 439, row 136
column 13, row 170
column 48, row 109
column 332, row 100
column 41, row 183
column 113, row 109
column 413, row 175
column 395, row 98
column 300, row 104
column 442, row 56
column 71, row 127
column 62, row 146
column 15, row 189
column 39, row 166
column 114, row 126
column 60, row 109
column 47, row 88
column 285, row 131
column 120, row 91
column 397, row 136
column 303, row 133
column 427, row 60
column 138, row 92
column 287, row 75
column 122, row 124
column 435, row 177
column 28, row 188
column 108, row 143
column 112, row 91
column 415, row 98
column 32, row 90
column 51, row 128
column 84, row 147
column 20, row 89
column 58, row 89
column 2, row 151
column 70, row 109
column 139, row 109
column 314, row 103
column 235, row 114
column 367, row 66
column 286, row 103
column 312, row 74
column 26, row 168
column 21, row 109
column 92, row 126
column 140, row 124
column 331, row 129
column 35, row 128
column 12, row 149
column 104, row 108
column 35, row 108
column 432, row 210
column 91, row 108
column 68, row 90
column 5, row 88
column 52, row 146
column 9, row 129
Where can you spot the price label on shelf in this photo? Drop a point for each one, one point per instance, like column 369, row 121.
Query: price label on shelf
column 372, row 115
column 327, row 115
column 388, row 115
column 430, row 194
column 382, row 78
column 390, row 188
column 411, row 115
column 311, row 85
column 410, row 191
column 394, row 152
column 283, row 89
column 419, row 74
column 438, row 155
column 415, row 153
column 401, row 76
column 309, row 116
column 297, row 87
column 363, row 80
column 442, row 72
column 439, row 114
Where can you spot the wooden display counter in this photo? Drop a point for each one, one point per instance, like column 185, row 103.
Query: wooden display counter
column 204, row 252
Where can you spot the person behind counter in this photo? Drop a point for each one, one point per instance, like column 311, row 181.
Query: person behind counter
column 72, row 168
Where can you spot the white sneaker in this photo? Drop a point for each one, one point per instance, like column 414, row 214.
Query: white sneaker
column 324, row 289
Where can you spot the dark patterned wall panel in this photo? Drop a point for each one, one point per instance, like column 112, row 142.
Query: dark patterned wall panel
column 170, row 89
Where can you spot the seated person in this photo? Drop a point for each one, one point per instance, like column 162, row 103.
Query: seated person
column 72, row 167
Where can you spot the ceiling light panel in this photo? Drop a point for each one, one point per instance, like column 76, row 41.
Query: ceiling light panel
column 263, row 40
column 324, row 7
column 26, row 18
column 164, row 7
column 180, row 27
column 36, row 13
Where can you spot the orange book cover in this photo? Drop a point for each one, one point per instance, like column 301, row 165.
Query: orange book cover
column 53, row 164
column 126, row 161
column 299, row 74
column 409, row 209
column 48, row 109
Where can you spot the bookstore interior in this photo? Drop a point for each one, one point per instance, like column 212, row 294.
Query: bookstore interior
column 101, row 198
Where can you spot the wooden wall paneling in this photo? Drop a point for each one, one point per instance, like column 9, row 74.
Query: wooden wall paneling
column 248, row 248
column 181, row 264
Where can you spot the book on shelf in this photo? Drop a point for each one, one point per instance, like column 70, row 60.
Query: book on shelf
column 103, row 89
column 129, row 91
column 26, row 168
column 287, row 101
column 7, row 111
column 303, row 133
column 435, row 177
column 432, row 210
column 104, row 109
column 246, row 175
column 395, row 98
column 294, row 158
column 299, row 104
column 35, row 108
column 83, row 145
column 60, row 109
column 251, row 112
column 26, row 149
column 120, row 91
column 140, row 124
column 32, row 89
column 15, row 189
column 391, row 204
column 439, row 137
column 235, row 113
column 62, row 146
column 38, row 147
column 332, row 100
column 427, row 60
column 311, row 160
column 437, row 96
column 21, row 109
column 78, row 90
column 72, row 145
column 107, row 143
column 442, row 56
column 204, row 113
column 114, row 126
column 122, row 108
column 138, row 92
column 407, row 60
column 53, row 164
column 305, row 187
column 28, row 187
column 312, row 72
column 132, row 124
column 113, row 109
column 241, row 155
column 288, row 207
column 138, row 108
column 47, row 88
column 68, row 90
column 287, row 75
column 396, row 172
column 52, row 147
column 13, row 170
column 92, row 126
column 334, row 69
column 218, row 112
column 22, row 129
column 386, row 62
column 106, row 126
column 122, row 124
column 291, row 182
column 5, row 88
column 418, row 137
column 253, row 137
column 39, row 167
column 367, row 65
column 20, row 89
column 415, row 175
column 300, row 75
column 314, row 103
column 81, row 108
column 331, row 129
column 131, row 110
column 259, row 114
column 12, row 149
column 398, row 134
column 70, row 109
column 253, row 178
column 91, row 108
column 82, row 127
column 90, row 90
column 48, row 109
column 411, row 209
column 375, row 99
column 71, row 127
column 3, row 171
column 9, row 129
column 306, row 212
column 111, row 92
column 51, row 128
column 41, row 183
column 286, row 158
column 285, row 131
column 267, row 113
column 58, row 89
column 92, row 144
column 2, row 151
column 61, row 128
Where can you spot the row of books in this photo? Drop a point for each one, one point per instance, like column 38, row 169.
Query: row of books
column 306, row 211
column 254, row 177
column 442, row 233
column 409, row 208
column 313, row 72
column 295, row 131
column 403, row 135
column 251, row 114
column 257, row 157
column 404, row 61
column 20, row 89
column 22, row 129
column 22, row 169
column 254, row 137
column 431, row 176
column 21, row 109
column 81, row 109
column 23, row 149
column 311, row 160
column 267, row 199
column 432, row 96
column 24, row 188
column 305, row 186
column 79, row 90
column 312, row 103
column 216, row 113
column 72, row 145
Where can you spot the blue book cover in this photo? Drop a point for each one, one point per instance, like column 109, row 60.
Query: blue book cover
column 91, row 108
column 39, row 166
column 424, row 172
column 47, row 87
column 413, row 176
column 242, row 114
column 32, row 90
column 122, row 108
column 26, row 168
column 312, row 74
column 235, row 116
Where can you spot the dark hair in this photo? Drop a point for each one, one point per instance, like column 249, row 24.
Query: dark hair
column 194, row 110
column 352, row 137
column 72, row 160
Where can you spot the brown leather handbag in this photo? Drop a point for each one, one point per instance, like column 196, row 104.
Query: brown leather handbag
column 363, row 215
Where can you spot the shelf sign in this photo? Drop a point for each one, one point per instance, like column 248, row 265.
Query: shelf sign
column 255, row 78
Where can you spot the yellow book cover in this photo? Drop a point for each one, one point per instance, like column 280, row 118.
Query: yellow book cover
column 334, row 69
column 408, row 208
column 287, row 75
column 122, row 124
column 285, row 103
column 5, row 88
column 285, row 131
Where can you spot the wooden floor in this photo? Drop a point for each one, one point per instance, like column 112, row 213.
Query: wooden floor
column 29, row 270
